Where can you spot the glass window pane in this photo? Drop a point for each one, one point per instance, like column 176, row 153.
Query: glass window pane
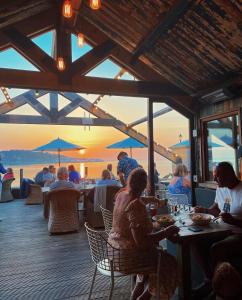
column 222, row 143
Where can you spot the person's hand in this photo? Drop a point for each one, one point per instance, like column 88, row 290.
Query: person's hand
column 228, row 218
column 199, row 209
column 171, row 231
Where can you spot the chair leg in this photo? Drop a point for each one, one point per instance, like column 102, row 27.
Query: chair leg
column 93, row 280
column 112, row 281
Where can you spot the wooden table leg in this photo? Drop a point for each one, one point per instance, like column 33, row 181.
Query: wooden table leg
column 184, row 262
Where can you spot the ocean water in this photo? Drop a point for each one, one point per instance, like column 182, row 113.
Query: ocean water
column 94, row 169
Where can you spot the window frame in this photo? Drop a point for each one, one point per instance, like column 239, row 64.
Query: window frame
column 204, row 141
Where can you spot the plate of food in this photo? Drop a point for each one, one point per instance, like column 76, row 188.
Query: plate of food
column 201, row 219
column 164, row 220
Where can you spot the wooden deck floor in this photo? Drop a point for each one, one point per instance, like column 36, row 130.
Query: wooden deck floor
column 34, row 265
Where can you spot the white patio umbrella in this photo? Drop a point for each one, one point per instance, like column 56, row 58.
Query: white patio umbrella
column 59, row 145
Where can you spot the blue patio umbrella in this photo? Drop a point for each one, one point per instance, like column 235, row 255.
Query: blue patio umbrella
column 128, row 143
column 59, row 145
column 186, row 144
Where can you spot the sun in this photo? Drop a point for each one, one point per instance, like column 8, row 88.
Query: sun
column 82, row 151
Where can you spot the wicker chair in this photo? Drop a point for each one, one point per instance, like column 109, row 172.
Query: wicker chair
column 6, row 194
column 107, row 219
column 63, row 210
column 109, row 261
column 35, row 195
column 93, row 218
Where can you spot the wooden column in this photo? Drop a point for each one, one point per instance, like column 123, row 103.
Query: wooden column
column 192, row 158
column 150, row 148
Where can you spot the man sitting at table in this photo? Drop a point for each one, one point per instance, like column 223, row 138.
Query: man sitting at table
column 227, row 204
column 62, row 180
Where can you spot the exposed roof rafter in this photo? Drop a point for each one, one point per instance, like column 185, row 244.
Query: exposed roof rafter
column 30, row 50
column 167, row 23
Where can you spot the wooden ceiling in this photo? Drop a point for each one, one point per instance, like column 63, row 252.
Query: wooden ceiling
column 194, row 44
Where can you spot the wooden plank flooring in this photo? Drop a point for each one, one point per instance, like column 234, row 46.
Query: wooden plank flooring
column 34, row 265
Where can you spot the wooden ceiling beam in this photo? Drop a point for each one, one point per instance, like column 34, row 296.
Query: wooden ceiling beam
column 31, row 27
column 85, row 84
column 18, row 101
column 30, row 50
column 74, row 121
column 167, row 23
column 90, row 60
column 121, row 126
column 155, row 115
column 140, row 70
column 21, row 12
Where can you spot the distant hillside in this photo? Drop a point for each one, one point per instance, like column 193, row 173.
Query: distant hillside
column 28, row 157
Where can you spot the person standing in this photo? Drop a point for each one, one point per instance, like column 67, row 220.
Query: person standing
column 2, row 169
column 125, row 166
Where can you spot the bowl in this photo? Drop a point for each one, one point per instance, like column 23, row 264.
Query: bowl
column 201, row 219
column 164, row 220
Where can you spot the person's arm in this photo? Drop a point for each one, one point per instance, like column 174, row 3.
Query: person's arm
column 153, row 237
column 213, row 209
column 232, row 220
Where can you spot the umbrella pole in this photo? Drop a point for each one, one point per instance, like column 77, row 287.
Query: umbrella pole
column 59, row 156
column 130, row 151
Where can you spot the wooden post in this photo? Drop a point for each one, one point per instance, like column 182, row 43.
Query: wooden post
column 151, row 148
column 21, row 176
column 192, row 158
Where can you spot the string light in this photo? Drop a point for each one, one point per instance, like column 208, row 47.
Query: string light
column 67, row 10
column 6, row 95
column 60, row 64
column 80, row 40
column 95, row 4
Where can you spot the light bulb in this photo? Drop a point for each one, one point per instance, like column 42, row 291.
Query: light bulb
column 60, row 64
column 80, row 40
column 67, row 10
column 95, row 4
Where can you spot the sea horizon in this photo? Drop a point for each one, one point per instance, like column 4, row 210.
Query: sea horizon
column 94, row 168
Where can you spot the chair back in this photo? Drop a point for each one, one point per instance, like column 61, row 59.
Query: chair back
column 98, row 245
column 35, row 195
column 105, row 256
column 177, row 199
column 63, row 215
column 6, row 194
column 107, row 219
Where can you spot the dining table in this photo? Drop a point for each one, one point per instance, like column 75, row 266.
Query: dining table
column 184, row 247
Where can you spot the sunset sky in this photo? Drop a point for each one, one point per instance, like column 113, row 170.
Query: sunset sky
column 166, row 127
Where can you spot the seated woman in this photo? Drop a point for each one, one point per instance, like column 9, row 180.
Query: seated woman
column 74, row 176
column 180, row 184
column 106, row 179
column 9, row 174
column 132, row 230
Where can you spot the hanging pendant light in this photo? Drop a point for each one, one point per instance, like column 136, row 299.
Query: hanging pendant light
column 80, row 40
column 95, row 4
column 67, row 10
column 60, row 64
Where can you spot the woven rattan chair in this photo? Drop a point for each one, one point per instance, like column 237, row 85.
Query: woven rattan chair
column 63, row 215
column 107, row 219
column 6, row 194
column 112, row 263
column 35, row 195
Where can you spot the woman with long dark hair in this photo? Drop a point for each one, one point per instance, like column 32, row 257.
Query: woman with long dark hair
column 133, row 230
